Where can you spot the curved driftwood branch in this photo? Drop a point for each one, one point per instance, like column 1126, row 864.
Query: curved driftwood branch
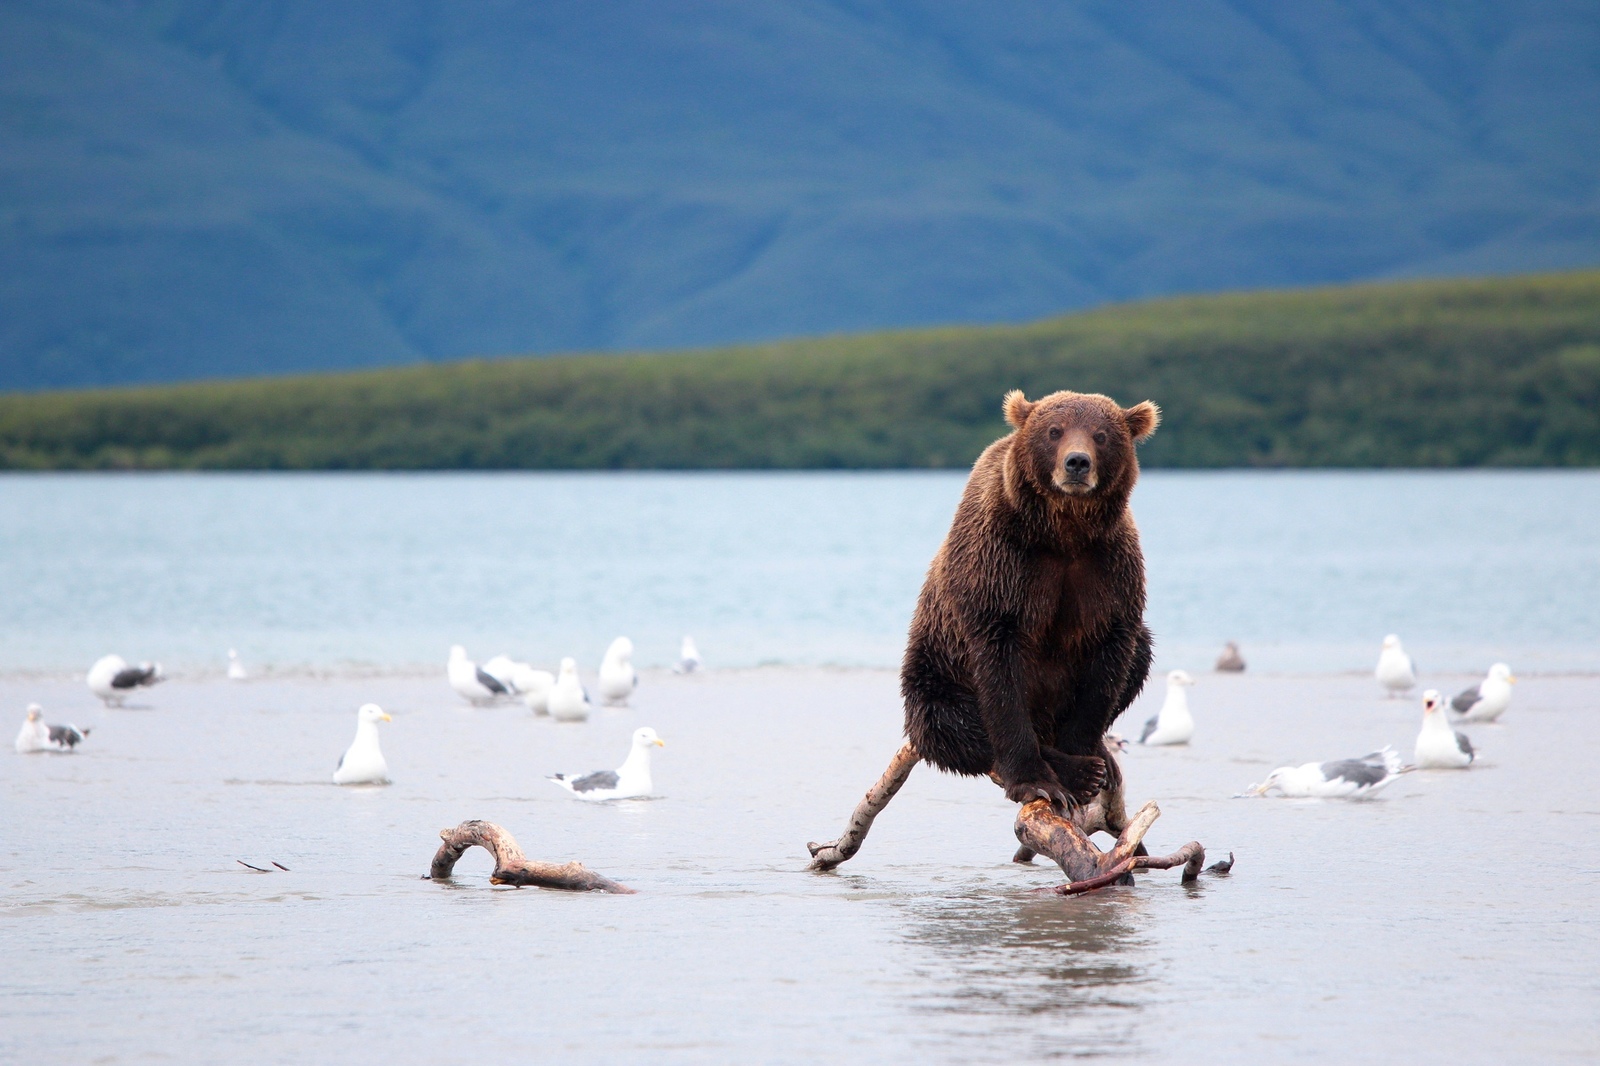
column 1191, row 857
column 511, row 867
column 827, row 856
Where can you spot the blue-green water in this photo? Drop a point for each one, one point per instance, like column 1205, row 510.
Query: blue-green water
column 1307, row 570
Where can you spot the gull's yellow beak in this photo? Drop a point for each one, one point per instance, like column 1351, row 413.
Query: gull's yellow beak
column 660, row 743
column 386, row 718
column 1511, row 678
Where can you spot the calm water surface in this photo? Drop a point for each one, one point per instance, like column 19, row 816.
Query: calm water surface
column 1309, row 570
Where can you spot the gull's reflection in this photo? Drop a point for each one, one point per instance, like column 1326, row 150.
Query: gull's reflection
column 1062, row 975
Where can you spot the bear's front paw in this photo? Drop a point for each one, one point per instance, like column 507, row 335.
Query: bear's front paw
column 1038, row 784
column 1084, row 776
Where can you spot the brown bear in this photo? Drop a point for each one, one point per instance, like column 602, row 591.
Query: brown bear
column 1029, row 636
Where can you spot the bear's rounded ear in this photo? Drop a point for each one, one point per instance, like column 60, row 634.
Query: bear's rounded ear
column 1017, row 408
column 1142, row 419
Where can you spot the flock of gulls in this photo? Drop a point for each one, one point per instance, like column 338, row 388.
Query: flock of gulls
column 1439, row 746
column 561, row 696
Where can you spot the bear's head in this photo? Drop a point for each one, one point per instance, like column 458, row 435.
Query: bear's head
column 1077, row 444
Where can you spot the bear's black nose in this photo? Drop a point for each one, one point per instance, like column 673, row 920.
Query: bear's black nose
column 1077, row 464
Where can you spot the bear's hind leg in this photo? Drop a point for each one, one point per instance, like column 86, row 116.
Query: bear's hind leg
column 1083, row 776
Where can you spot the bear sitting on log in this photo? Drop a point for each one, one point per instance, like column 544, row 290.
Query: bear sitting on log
column 1029, row 637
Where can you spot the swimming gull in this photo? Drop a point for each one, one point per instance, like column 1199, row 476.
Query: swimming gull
column 470, row 681
column 1488, row 699
column 362, row 763
column 617, row 676
column 628, row 781
column 568, row 700
column 1173, row 724
column 533, row 686
column 1230, row 661
column 1396, row 672
column 1438, row 746
column 236, row 671
column 35, row 735
column 112, row 679
column 688, row 657
column 1343, row 778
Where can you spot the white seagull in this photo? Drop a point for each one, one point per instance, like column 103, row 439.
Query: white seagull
column 36, row 736
column 1173, row 724
column 236, row 671
column 112, row 679
column 1488, row 699
column 568, row 701
column 503, row 669
column 534, row 686
column 617, row 676
column 628, row 781
column 688, row 657
column 1396, row 672
column 1343, row 778
column 1438, row 746
column 362, row 762
column 470, row 681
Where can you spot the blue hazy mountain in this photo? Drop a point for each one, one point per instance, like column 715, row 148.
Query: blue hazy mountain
column 221, row 187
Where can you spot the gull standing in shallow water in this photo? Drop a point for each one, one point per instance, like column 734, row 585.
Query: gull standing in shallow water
column 618, row 679
column 236, row 671
column 688, row 657
column 1488, row 699
column 470, row 681
column 36, row 736
column 362, row 763
column 1396, row 672
column 1341, row 779
column 1174, row 724
column 1230, row 661
column 1438, row 746
column 628, row 781
column 568, row 700
column 112, row 679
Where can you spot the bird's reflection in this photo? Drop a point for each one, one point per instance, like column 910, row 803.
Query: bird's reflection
column 1064, row 973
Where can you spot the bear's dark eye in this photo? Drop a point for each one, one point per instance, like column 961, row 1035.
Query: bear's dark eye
column 1100, row 437
column 1055, row 432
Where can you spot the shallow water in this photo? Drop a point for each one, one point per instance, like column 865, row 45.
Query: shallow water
column 1454, row 917
column 377, row 572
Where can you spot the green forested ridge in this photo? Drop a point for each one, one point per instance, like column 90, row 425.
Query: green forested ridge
column 1501, row 372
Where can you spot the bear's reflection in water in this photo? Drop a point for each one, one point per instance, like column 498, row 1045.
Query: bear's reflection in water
column 1060, row 975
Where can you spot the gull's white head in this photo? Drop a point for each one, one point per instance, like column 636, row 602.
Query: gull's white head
column 1502, row 672
column 34, row 711
column 569, row 669
column 1274, row 780
column 232, row 653
column 1391, row 641
column 621, row 648
column 371, row 712
column 1179, row 677
column 688, row 650
column 645, row 737
column 457, row 652
column 1432, row 702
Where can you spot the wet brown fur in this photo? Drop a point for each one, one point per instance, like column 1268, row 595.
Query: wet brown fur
column 1029, row 637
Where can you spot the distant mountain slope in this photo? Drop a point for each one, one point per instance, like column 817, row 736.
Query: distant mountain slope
column 221, row 187
column 1434, row 374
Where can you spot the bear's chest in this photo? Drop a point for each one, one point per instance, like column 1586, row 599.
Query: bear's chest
column 1074, row 601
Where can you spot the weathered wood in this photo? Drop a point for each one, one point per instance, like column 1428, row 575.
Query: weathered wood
column 827, row 856
column 511, row 867
column 1191, row 857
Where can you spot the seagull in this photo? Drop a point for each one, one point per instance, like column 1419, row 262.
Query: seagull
column 568, row 701
column 1352, row 778
column 1396, row 672
column 112, row 679
column 503, row 669
column 36, row 736
column 362, row 762
column 1488, row 699
column 1173, row 725
column 688, row 657
column 534, row 687
column 628, row 781
column 470, row 681
column 236, row 671
column 617, row 676
column 1230, row 661
column 1438, row 746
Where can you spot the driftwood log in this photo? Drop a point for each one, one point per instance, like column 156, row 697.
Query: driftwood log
column 511, row 867
column 1041, row 831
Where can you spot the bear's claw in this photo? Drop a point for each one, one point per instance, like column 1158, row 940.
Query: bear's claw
column 1084, row 776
